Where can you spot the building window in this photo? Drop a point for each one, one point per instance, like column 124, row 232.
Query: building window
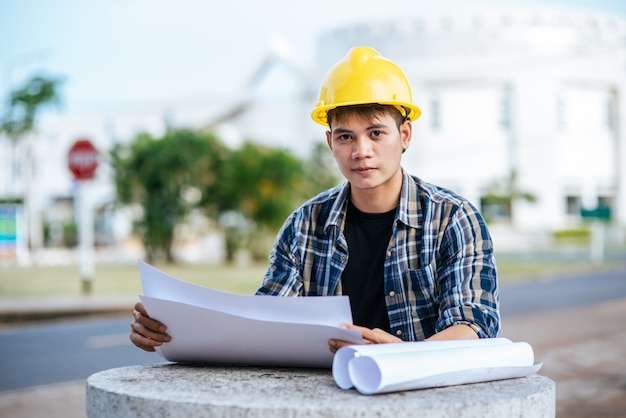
column 572, row 205
column 495, row 208
column 435, row 114
column 611, row 115
column 605, row 201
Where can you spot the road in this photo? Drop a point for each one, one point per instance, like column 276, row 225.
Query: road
column 42, row 354
column 36, row 355
column 562, row 292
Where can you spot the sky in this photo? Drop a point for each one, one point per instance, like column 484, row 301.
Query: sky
column 116, row 54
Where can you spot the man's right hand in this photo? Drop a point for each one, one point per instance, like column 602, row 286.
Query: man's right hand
column 145, row 332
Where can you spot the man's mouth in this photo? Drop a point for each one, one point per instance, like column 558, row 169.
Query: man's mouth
column 363, row 170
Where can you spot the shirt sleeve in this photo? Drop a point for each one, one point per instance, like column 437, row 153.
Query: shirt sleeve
column 467, row 275
column 283, row 277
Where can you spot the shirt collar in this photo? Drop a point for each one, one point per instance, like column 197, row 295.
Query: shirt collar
column 409, row 207
column 338, row 210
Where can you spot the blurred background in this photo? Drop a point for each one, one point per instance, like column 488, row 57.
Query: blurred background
column 179, row 132
column 523, row 114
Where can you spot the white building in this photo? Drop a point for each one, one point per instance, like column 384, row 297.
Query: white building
column 540, row 92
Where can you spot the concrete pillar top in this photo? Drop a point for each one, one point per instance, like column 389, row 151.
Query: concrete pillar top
column 176, row 390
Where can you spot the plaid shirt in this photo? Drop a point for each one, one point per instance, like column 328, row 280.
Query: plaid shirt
column 439, row 270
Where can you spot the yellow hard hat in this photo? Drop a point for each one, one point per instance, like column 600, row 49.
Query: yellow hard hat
column 364, row 77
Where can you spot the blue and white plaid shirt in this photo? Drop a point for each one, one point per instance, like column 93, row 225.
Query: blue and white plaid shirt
column 439, row 270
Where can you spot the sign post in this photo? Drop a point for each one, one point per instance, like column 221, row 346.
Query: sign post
column 82, row 162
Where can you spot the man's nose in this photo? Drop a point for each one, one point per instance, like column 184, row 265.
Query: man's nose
column 362, row 148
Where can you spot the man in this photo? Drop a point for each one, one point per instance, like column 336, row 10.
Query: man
column 415, row 259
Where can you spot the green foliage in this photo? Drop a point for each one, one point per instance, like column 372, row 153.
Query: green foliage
column 572, row 236
column 158, row 174
column 64, row 233
column 249, row 191
column 25, row 103
column 19, row 120
column 263, row 185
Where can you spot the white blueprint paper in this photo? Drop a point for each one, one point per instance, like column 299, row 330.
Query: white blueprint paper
column 219, row 327
column 345, row 354
column 390, row 368
column 327, row 310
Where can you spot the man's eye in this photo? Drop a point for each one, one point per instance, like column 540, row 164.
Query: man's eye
column 376, row 133
column 344, row 137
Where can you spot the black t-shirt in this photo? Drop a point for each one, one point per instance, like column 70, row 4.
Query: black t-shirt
column 368, row 236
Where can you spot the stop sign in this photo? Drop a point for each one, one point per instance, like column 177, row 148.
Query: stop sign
column 83, row 159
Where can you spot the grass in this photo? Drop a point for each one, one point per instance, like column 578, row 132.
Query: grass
column 122, row 279
column 44, row 281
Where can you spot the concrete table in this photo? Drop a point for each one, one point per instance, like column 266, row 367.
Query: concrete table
column 175, row 390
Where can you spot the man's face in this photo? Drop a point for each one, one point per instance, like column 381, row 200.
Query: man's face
column 368, row 151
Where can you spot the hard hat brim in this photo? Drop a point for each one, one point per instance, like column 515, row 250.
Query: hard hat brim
column 320, row 114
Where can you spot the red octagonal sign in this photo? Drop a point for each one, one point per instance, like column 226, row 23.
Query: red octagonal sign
column 83, row 159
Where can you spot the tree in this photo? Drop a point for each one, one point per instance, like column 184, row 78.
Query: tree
column 249, row 191
column 19, row 121
column 167, row 177
column 263, row 185
column 26, row 102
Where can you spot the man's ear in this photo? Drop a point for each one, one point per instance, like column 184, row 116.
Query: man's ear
column 329, row 140
column 406, row 131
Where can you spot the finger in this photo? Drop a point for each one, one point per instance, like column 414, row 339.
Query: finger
column 144, row 332
column 142, row 342
column 335, row 345
column 355, row 327
column 370, row 336
column 139, row 307
column 145, row 319
column 379, row 336
column 148, row 322
column 146, row 339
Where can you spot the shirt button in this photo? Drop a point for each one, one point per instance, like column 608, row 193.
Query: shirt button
column 388, row 253
column 399, row 332
column 343, row 258
column 392, row 293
